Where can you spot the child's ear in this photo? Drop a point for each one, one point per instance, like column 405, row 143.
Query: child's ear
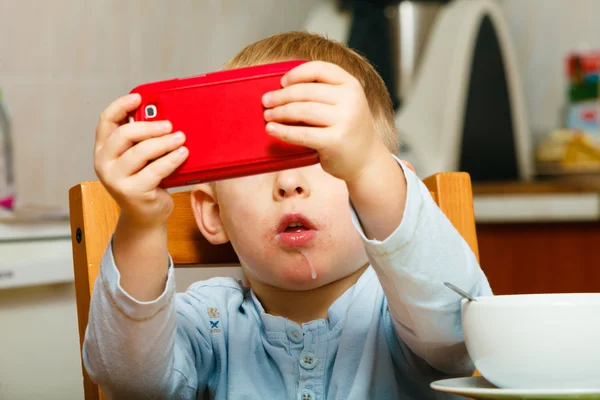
column 207, row 214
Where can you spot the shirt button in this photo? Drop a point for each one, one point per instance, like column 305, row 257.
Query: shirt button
column 294, row 334
column 306, row 394
column 308, row 360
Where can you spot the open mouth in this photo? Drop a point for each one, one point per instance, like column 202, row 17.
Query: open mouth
column 295, row 227
column 294, row 222
column 295, row 230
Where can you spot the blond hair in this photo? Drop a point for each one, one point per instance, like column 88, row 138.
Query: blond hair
column 313, row 47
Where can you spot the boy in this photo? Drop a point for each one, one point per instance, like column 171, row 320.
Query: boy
column 346, row 259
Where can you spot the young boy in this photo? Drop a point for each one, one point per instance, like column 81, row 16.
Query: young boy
column 346, row 259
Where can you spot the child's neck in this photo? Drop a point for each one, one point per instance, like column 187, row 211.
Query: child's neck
column 303, row 306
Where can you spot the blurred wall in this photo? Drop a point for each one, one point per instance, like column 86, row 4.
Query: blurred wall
column 63, row 61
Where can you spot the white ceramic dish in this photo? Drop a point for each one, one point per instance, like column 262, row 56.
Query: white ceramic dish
column 478, row 387
column 542, row 341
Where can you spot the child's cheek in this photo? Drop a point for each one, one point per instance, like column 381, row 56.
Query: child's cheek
column 268, row 248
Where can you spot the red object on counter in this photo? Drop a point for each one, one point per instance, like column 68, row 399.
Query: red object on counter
column 583, row 63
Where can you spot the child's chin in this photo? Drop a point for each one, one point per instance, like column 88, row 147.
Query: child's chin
column 301, row 280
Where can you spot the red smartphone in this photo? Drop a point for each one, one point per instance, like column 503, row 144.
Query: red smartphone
column 222, row 116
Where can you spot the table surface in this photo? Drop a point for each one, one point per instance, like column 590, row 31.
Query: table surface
column 590, row 184
column 562, row 199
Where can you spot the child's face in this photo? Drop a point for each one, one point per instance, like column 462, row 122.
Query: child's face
column 259, row 214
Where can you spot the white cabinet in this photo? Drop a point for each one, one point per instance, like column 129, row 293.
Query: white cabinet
column 39, row 342
column 35, row 254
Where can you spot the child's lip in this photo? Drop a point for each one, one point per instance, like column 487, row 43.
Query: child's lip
column 291, row 218
column 296, row 239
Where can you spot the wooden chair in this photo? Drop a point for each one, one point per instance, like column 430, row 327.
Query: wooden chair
column 94, row 217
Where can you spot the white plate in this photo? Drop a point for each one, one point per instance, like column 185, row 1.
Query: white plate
column 477, row 387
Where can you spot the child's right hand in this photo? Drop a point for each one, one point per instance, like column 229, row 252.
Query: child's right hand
column 132, row 159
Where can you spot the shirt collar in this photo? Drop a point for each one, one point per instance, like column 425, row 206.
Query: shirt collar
column 336, row 312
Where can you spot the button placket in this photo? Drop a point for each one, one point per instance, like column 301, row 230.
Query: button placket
column 306, row 394
column 312, row 359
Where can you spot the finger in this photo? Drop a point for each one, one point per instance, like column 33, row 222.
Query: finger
column 115, row 113
column 310, row 113
column 316, row 71
column 138, row 156
column 159, row 169
column 127, row 135
column 317, row 92
column 299, row 135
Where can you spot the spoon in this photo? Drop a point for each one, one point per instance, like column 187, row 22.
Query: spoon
column 460, row 291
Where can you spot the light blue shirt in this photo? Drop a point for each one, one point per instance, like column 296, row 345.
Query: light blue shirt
column 387, row 337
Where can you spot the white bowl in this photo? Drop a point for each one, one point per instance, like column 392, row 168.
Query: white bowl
column 538, row 341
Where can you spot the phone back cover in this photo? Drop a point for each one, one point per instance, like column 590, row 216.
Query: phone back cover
column 222, row 115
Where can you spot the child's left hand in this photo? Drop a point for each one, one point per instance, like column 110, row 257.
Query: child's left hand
column 334, row 106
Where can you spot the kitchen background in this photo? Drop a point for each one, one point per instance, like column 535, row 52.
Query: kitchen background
column 63, row 61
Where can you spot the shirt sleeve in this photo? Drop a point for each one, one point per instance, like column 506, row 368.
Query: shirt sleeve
column 412, row 264
column 153, row 349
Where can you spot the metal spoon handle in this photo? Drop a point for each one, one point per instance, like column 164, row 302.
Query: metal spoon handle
column 460, row 291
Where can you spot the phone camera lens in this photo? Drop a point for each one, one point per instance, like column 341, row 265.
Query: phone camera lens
column 150, row 111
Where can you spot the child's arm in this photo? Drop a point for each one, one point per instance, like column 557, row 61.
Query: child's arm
column 418, row 248
column 421, row 253
column 151, row 349
column 132, row 346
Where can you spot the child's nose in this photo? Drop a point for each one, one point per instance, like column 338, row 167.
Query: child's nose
column 290, row 183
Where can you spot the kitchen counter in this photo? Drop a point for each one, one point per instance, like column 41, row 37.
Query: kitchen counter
column 33, row 230
column 541, row 201
column 539, row 237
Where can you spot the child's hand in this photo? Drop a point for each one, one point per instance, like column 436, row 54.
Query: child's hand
column 132, row 159
column 333, row 103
